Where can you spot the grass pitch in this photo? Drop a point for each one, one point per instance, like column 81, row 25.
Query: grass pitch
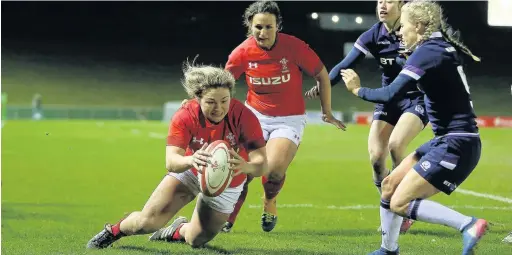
column 62, row 180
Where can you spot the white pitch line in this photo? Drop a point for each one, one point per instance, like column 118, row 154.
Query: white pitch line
column 484, row 195
column 156, row 135
column 373, row 207
column 459, row 190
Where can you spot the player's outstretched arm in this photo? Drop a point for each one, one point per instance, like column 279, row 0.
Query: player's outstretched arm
column 324, row 84
column 176, row 162
column 255, row 166
column 397, row 88
column 353, row 57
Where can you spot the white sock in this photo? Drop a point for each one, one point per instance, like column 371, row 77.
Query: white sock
column 390, row 224
column 432, row 212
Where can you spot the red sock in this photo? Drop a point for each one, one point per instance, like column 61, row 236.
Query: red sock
column 240, row 202
column 176, row 236
column 272, row 188
column 116, row 229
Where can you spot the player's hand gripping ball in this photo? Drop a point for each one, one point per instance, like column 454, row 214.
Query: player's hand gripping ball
column 216, row 175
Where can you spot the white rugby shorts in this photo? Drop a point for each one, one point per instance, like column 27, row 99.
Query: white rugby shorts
column 289, row 127
column 224, row 203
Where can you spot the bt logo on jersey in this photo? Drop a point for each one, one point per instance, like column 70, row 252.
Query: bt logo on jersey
column 270, row 80
column 387, row 61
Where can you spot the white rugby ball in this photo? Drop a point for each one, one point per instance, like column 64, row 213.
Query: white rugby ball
column 216, row 175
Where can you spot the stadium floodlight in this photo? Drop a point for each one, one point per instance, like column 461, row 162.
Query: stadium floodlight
column 314, row 15
column 498, row 13
column 335, row 18
column 338, row 21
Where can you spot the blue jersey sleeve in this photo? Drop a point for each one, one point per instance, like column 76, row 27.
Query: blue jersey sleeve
column 361, row 48
column 401, row 60
column 349, row 61
column 421, row 60
column 365, row 41
column 397, row 88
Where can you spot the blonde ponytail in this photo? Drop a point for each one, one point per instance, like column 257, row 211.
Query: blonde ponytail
column 450, row 36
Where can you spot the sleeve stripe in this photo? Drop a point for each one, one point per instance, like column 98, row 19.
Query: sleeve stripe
column 411, row 74
column 450, row 49
column 414, row 69
column 361, row 48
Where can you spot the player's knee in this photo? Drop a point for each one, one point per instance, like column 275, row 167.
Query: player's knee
column 398, row 206
column 200, row 240
column 388, row 187
column 277, row 165
column 379, row 167
column 377, row 155
column 275, row 176
column 196, row 242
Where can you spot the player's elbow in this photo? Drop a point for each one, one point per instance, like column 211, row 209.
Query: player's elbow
column 169, row 165
column 175, row 161
column 387, row 98
column 173, row 165
column 322, row 76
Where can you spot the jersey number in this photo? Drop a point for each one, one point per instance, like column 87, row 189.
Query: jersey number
column 464, row 80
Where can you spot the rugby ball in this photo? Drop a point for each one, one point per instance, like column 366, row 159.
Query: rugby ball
column 216, row 175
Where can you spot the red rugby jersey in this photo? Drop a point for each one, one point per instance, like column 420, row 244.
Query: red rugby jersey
column 190, row 129
column 274, row 76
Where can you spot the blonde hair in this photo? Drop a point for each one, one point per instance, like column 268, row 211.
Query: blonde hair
column 430, row 14
column 199, row 78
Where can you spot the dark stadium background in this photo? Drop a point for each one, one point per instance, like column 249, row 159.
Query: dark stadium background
column 158, row 36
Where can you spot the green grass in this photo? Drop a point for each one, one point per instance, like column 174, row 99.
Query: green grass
column 61, row 181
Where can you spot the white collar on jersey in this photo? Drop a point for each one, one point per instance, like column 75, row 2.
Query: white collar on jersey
column 436, row 35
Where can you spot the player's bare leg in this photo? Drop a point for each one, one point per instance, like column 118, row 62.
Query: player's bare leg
column 241, row 199
column 205, row 224
column 167, row 199
column 406, row 129
column 280, row 153
column 378, row 140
